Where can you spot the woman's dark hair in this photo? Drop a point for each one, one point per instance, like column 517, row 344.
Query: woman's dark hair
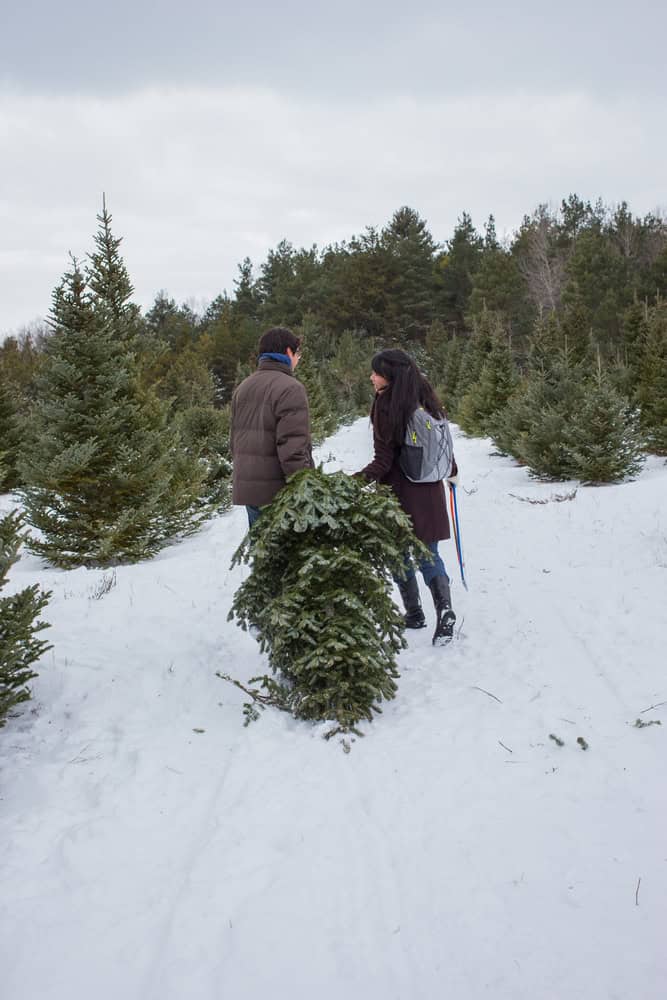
column 277, row 340
column 407, row 390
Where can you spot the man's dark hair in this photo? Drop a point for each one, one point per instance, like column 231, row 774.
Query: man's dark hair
column 277, row 340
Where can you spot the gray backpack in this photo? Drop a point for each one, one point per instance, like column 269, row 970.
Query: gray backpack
column 427, row 451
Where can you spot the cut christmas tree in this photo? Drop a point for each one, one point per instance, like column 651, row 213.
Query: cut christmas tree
column 322, row 557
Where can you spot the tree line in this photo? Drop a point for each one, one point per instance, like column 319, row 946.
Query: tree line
column 594, row 276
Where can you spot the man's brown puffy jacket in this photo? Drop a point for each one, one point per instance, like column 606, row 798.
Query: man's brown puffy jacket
column 270, row 433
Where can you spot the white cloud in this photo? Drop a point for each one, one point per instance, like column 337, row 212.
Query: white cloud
column 197, row 179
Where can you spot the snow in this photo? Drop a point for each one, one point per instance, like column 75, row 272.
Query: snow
column 457, row 851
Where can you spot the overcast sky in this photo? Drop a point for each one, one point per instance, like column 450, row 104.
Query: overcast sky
column 217, row 130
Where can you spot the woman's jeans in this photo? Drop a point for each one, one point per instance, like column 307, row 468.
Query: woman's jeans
column 430, row 568
column 253, row 514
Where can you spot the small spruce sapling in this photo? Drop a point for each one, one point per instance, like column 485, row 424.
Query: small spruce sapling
column 19, row 647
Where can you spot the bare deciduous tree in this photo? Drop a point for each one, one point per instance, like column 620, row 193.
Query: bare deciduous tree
column 541, row 264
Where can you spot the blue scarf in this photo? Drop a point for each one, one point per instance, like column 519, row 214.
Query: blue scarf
column 283, row 358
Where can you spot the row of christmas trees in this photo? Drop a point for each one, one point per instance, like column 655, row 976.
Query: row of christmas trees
column 556, row 404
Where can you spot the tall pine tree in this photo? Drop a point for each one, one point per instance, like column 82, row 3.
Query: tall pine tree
column 107, row 479
column 411, row 283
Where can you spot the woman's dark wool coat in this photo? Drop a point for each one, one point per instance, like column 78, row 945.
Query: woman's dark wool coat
column 424, row 503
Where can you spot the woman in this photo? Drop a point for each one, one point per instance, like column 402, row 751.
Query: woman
column 399, row 389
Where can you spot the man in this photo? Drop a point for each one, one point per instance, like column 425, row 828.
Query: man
column 270, row 425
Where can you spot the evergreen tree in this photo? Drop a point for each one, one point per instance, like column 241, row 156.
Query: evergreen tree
column 547, row 344
column 204, row 431
column 496, row 286
column 321, row 405
column 443, row 362
column 247, row 301
column 228, row 343
column 10, row 437
column 348, row 373
column 533, row 425
column 288, row 281
column 490, row 236
column 477, row 347
column 568, row 422
column 576, row 331
column 107, row 479
column 634, row 331
column 354, row 284
column 455, row 272
column 576, row 216
column 110, row 285
column 411, row 286
column 603, row 441
column 594, row 285
column 174, row 325
column 186, row 380
column 19, row 647
column 490, row 393
column 321, row 558
column 651, row 392
column 652, row 279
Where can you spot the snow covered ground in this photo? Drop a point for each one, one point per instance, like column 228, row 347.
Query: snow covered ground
column 155, row 849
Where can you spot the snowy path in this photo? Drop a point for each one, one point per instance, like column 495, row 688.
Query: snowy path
column 457, row 852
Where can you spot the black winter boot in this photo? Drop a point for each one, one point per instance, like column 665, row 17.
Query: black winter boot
column 444, row 629
column 409, row 590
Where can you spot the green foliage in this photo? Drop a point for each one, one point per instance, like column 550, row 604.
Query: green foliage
column 444, row 355
column 107, row 479
column 19, row 647
column 335, row 372
column 229, row 345
column 10, row 438
column 478, row 345
column 176, row 326
column 348, row 373
column 651, row 392
column 354, row 285
column 497, row 285
column 603, row 441
column 288, row 282
column 186, row 380
column 492, row 390
column 411, row 282
column 322, row 404
column 20, row 358
column 204, row 432
column 321, row 558
column 247, row 299
column 455, row 271
column 110, row 285
column 565, row 422
column 594, row 283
